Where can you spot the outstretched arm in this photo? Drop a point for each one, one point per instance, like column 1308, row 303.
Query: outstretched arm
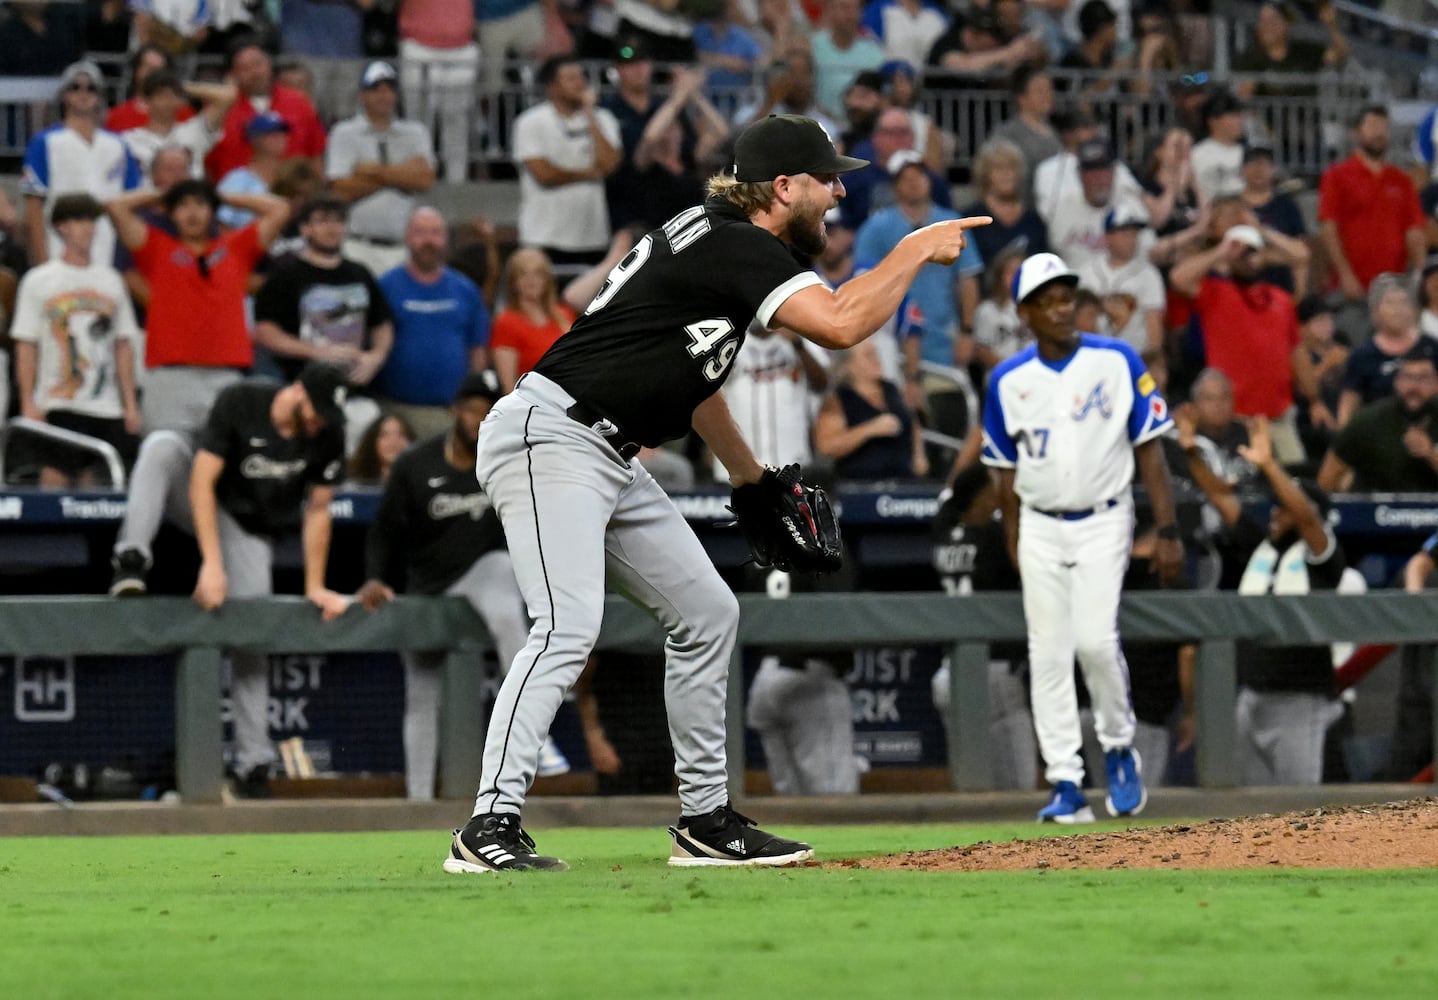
column 840, row 319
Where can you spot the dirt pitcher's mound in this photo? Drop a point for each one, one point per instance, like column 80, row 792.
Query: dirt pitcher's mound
column 1393, row 835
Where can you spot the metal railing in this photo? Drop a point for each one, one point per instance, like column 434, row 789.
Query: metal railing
column 1306, row 129
column 71, row 626
column 103, row 450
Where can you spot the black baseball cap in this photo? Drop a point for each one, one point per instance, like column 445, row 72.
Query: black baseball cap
column 1221, row 102
column 1257, row 151
column 479, row 385
column 1313, row 305
column 328, row 389
column 630, row 49
column 787, row 145
column 1096, row 154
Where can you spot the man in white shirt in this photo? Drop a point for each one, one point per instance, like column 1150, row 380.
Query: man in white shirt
column 75, row 154
column 165, row 95
column 1076, row 224
column 74, row 336
column 566, row 147
column 1128, row 287
column 1058, row 175
column 1218, row 159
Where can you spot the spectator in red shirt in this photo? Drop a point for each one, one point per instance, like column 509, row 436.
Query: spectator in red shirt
column 1250, row 328
column 196, row 338
column 1371, row 219
column 532, row 320
column 253, row 74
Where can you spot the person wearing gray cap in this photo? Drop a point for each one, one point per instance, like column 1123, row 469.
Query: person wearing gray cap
column 75, row 155
column 378, row 162
column 643, row 366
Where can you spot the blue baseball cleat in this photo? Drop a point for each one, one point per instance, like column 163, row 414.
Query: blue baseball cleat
column 1067, row 806
column 1126, row 794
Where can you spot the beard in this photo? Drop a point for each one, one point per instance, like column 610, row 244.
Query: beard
column 1374, row 150
column 806, row 229
column 470, row 442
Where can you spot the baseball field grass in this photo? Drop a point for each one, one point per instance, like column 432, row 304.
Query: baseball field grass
column 372, row 915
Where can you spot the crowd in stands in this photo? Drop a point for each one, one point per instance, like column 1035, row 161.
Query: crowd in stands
column 278, row 214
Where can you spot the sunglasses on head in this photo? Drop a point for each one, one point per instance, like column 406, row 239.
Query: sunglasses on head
column 1193, row 80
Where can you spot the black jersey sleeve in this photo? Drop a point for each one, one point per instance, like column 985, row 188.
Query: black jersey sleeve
column 756, row 266
column 1325, row 569
column 218, row 435
column 379, row 310
column 327, row 467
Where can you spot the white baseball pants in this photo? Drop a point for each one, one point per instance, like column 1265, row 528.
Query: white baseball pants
column 1072, row 577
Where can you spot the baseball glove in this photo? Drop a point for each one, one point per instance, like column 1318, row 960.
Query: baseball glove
column 788, row 523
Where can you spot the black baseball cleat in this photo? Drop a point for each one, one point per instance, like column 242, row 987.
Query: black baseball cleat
column 495, row 842
column 726, row 837
column 130, row 569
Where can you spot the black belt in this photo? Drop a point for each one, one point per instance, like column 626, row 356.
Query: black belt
column 605, row 428
column 1078, row 515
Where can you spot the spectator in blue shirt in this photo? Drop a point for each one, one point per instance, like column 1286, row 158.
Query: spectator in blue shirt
column 945, row 312
column 441, row 328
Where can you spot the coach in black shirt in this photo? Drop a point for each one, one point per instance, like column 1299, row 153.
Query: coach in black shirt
column 437, row 532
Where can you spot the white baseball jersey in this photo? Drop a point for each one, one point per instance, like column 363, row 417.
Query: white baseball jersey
column 1069, row 428
column 771, row 401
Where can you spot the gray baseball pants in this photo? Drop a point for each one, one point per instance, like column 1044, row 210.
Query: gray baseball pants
column 805, row 721
column 1280, row 735
column 575, row 512
column 490, row 588
column 160, row 490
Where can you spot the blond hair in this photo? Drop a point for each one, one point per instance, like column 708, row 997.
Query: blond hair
column 992, row 154
column 549, row 298
column 747, row 196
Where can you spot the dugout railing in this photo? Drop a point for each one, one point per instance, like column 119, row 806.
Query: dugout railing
column 79, row 626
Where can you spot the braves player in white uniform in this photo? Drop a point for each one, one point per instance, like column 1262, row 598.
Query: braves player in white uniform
column 1065, row 422
column 643, row 364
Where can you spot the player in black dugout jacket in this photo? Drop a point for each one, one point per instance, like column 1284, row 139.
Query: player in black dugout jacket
column 437, row 532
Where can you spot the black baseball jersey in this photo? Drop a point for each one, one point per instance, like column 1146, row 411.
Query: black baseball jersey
column 660, row 336
column 974, row 558
column 434, row 521
column 266, row 476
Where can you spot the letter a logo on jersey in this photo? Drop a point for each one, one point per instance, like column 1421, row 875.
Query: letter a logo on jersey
column 1097, row 399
